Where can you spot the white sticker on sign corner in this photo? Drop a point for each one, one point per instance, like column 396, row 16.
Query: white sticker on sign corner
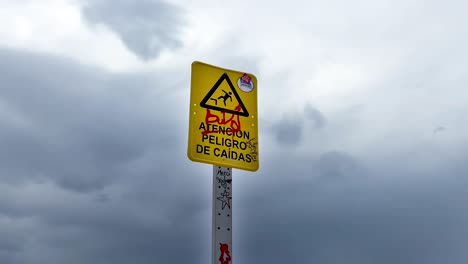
column 245, row 83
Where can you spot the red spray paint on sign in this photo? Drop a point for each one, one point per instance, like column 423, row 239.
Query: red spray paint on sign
column 233, row 121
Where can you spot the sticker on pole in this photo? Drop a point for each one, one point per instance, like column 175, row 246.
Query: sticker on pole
column 223, row 124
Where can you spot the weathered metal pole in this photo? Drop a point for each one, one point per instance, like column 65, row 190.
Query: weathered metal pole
column 222, row 216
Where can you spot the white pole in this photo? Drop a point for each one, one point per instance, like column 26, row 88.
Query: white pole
column 222, row 216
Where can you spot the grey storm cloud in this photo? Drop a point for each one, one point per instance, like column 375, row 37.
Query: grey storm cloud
column 80, row 127
column 289, row 130
column 313, row 114
column 310, row 215
column 146, row 27
column 337, row 164
column 93, row 165
column 93, row 169
column 90, row 168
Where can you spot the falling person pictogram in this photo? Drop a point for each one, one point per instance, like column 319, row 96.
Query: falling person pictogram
column 224, row 97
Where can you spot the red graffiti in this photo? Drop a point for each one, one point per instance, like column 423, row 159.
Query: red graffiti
column 225, row 257
column 233, row 120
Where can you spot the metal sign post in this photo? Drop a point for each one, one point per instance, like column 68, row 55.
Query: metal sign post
column 222, row 216
column 223, row 131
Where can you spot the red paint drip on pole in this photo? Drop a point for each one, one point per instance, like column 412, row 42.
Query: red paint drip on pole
column 225, row 257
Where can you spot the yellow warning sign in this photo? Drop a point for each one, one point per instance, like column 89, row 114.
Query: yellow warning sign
column 223, row 124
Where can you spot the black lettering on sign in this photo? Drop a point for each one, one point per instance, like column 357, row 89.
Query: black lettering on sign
column 203, row 149
column 216, row 152
column 224, row 142
column 202, row 126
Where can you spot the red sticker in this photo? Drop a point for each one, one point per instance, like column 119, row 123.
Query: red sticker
column 245, row 83
column 225, row 257
column 246, row 78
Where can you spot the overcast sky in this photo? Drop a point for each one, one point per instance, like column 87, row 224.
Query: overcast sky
column 363, row 131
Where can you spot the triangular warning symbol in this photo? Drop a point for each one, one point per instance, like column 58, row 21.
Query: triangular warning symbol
column 220, row 98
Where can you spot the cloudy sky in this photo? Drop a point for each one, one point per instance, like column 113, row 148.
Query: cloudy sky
column 362, row 120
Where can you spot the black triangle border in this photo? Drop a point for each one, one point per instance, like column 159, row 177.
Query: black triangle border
column 215, row 87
